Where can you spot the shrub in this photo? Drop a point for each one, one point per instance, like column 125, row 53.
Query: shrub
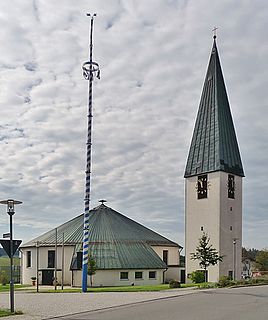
column 207, row 285
column 3, row 278
column 174, row 284
column 225, row 281
column 197, row 276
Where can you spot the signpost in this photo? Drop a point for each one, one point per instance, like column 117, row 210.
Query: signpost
column 10, row 245
column 6, row 246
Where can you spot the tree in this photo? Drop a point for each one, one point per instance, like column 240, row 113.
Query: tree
column 92, row 268
column 261, row 262
column 249, row 253
column 206, row 254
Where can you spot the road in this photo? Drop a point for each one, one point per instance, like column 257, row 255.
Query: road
column 249, row 303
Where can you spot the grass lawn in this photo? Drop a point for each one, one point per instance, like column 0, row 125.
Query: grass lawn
column 4, row 288
column 5, row 312
column 160, row 287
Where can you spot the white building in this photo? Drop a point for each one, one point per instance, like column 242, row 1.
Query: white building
column 125, row 252
column 214, row 172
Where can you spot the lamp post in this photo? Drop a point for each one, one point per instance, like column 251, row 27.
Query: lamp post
column 10, row 211
column 234, row 257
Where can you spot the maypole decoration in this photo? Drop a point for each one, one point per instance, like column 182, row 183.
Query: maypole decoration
column 90, row 69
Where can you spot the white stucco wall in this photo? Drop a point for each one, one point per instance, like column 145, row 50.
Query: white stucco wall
column 173, row 272
column 173, row 254
column 28, row 272
column 215, row 215
column 112, row 278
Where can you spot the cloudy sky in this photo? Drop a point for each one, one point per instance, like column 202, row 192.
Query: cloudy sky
column 153, row 56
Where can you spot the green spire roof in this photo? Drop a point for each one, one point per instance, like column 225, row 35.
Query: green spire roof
column 115, row 241
column 214, row 146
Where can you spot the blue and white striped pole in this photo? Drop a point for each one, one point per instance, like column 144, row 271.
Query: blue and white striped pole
column 90, row 69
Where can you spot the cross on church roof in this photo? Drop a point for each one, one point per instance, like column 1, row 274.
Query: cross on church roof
column 214, row 30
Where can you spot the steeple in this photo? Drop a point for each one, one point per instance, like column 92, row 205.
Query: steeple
column 214, row 145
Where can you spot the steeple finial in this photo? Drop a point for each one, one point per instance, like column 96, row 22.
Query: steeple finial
column 102, row 201
column 214, row 30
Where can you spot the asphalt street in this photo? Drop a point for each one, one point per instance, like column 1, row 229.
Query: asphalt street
column 221, row 304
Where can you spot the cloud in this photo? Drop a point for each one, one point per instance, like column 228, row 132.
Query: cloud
column 153, row 57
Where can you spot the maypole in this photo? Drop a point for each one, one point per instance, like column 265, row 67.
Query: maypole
column 90, row 69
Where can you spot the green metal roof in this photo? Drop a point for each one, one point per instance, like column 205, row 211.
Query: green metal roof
column 214, row 145
column 115, row 241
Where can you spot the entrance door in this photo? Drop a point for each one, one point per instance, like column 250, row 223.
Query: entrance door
column 47, row 277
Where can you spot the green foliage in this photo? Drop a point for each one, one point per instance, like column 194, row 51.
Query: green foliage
column 261, row 262
column 225, row 281
column 197, row 276
column 249, row 253
column 92, row 268
column 207, row 285
column 205, row 253
column 174, row 284
column 4, row 313
column 3, row 278
column 5, row 261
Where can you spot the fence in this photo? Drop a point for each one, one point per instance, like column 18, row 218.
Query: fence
column 259, row 274
column 5, row 274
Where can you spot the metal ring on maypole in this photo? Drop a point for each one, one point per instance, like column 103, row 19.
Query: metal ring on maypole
column 90, row 69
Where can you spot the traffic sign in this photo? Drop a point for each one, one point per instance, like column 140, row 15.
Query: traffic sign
column 6, row 246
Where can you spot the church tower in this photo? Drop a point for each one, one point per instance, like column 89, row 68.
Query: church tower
column 213, row 174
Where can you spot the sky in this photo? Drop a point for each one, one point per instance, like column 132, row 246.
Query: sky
column 153, row 57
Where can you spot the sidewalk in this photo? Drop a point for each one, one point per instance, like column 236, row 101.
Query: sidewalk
column 37, row 306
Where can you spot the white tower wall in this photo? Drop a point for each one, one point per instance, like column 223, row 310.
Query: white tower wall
column 220, row 217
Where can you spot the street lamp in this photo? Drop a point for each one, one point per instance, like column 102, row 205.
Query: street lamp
column 234, row 257
column 10, row 211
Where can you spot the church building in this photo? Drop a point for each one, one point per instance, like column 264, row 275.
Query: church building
column 125, row 252
column 213, row 179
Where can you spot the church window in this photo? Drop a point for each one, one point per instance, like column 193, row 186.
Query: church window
column 231, row 208
column 231, row 186
column 51, row 259
column 231, row 228
column 152, row 274
column 165, row 256
column 28, row 259
column 202, row 228
column 124, row 275
column 202, row 186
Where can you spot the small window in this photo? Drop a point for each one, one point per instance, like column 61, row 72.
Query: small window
column 152, row 274
column 28, row 259
column 230, row 274
column 51, row 259
column 231, row 228
column 165, row 256
column 138, row 275
column 202, row 228
column 231, row 208
column 123, row 275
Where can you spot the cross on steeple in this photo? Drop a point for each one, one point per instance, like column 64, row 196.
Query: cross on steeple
column 214, row 30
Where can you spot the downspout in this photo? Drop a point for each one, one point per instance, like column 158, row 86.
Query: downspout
column 164, row 275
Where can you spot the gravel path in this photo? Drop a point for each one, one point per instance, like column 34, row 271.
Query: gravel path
column 48, row 305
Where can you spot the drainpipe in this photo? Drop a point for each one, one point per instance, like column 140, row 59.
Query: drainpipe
column 164, row 275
